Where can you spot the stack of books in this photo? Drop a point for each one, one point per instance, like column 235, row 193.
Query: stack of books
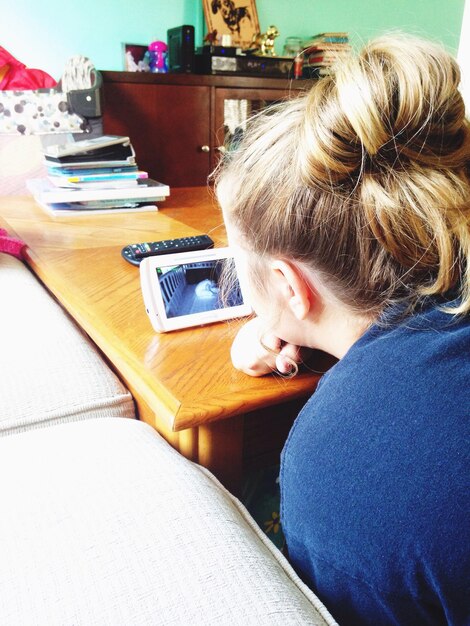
column 322, row 51
column 95, row 176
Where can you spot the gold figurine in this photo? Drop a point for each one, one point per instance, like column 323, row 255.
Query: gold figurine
column 263, row 43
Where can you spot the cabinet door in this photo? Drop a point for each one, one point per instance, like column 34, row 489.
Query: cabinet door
column 168, row 126
column 232, row 109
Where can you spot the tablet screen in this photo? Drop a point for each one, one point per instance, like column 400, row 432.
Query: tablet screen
column 199, row 287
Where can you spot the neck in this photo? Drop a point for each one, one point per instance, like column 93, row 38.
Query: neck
column 336, row 329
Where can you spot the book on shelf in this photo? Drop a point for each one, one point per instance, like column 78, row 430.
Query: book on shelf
column 99, row 177
column 103, row 184
column 107, row 163
column 322, row 52
column 326, row 47
column 106, row 147
column 327, row 65
column 95, row 175
column 331, row 47
column 328, row 38
column 85, row 170
column 63, row 209
column 322, row 59
column 315, row 72
column 334, row 33
column 98, row 181
column 146, row 189
column 322, row 62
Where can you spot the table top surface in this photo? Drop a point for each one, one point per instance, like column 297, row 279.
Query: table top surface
column 186, row 376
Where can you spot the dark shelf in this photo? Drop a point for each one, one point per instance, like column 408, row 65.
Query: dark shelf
column 205, row 80
column 176, row 122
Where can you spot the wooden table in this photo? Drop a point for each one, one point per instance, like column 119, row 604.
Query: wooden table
column 183, row 382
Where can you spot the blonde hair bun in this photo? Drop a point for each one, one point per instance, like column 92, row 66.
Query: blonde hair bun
column 395, row 101
column 365, row 179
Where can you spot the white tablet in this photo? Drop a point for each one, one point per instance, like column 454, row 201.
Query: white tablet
column 189, row 289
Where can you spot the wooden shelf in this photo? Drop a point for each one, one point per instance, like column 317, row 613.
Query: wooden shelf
column 176, row 121
column 206, row 80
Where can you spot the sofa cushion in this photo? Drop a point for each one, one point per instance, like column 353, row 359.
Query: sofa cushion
column 49, row 370
column 104, row 523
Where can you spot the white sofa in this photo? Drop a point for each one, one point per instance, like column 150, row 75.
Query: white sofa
column 102, row 522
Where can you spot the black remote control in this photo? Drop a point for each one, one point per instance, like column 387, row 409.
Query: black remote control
column 135, row 252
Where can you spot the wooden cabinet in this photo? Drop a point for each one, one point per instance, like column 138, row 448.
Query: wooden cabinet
column 178, row 122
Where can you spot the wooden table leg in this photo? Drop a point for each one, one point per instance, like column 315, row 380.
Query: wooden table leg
column 185, row 441
column 220, row 449
column 218, row 446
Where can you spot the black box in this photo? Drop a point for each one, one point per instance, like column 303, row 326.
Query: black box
column 181, row 49
column 219, row 51
column 274, row 67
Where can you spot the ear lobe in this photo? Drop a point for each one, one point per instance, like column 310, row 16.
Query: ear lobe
column 299, row 306
column 293, row 288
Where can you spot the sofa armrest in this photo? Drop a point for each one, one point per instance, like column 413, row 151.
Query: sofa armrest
column 50, row 371
column 104, row 523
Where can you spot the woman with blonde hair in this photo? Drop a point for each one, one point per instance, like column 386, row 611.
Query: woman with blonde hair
column 348, row 210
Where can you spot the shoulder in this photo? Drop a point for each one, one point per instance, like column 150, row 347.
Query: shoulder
column 375, row 471
column 383, row 437
column 395, row 361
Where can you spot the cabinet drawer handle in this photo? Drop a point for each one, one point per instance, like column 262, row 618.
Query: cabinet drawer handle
column 222, row 149
column 205, row 149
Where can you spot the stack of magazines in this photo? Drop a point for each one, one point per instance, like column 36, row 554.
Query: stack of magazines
column 322, row 51
column 95, row 175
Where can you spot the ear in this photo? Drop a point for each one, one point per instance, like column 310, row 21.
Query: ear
column 293, row 288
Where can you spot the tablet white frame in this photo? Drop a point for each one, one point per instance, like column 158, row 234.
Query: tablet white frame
column 153, row 299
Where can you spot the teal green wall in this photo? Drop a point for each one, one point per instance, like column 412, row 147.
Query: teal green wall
column 46, row 34
column 437, row 19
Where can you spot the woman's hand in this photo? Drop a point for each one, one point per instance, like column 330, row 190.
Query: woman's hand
column 251, row 351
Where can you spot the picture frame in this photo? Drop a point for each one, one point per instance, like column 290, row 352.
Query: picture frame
column 236, row 18
column 135, row 57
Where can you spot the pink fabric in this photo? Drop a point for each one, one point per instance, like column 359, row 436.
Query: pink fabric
column 11, row 245
column 19, row 77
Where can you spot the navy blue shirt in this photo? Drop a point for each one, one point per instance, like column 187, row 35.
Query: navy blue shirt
column 375, row 477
